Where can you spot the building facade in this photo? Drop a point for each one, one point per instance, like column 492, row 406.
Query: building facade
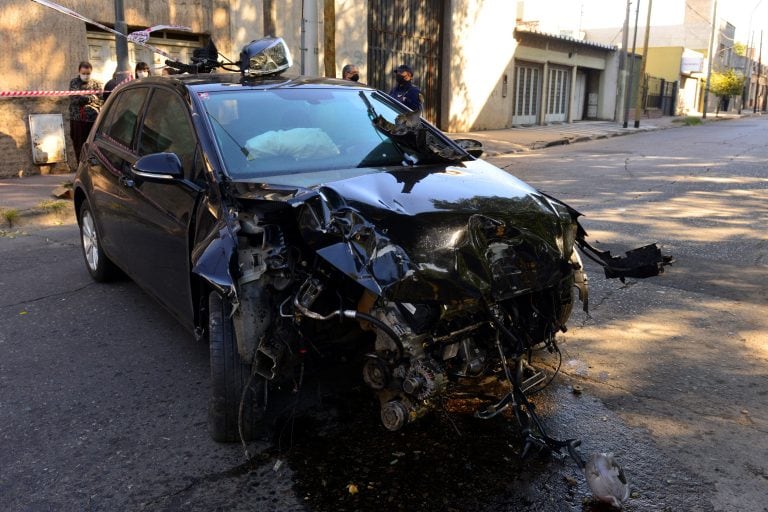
column 476, row 70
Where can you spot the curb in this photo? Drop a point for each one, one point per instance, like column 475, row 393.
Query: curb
column 41, row 216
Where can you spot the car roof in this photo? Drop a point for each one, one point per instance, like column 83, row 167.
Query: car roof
column 212, row 82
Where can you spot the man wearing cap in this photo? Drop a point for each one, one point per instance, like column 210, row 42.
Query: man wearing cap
column 405, row 92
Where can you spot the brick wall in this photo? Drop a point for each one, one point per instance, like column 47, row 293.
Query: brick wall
column 15, row 142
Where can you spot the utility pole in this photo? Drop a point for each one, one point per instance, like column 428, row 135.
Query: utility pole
column 268, row 6
column 747, row 74
column 748, row 58
column 622, row 89
column 759, row 72
column 639, row 103
column 709, row 60
column 627, row 99
column 123, row 71
column 329, row 39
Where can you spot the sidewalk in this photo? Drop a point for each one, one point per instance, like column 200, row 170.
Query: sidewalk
column 516, row 140
column 30, row 200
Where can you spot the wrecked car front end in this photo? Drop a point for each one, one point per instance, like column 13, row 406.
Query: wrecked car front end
column 442, row 274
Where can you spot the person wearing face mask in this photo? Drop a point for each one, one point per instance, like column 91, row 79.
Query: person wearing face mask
column 142, row 70
column 405, row 92
column 83, row 108
column 350, row 72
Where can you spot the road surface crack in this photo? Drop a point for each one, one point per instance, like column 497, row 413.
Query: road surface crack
column 49, row 296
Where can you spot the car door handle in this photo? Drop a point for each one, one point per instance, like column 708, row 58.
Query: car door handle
column 126, row 182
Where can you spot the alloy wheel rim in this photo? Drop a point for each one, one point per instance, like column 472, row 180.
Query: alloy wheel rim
column 90, row 241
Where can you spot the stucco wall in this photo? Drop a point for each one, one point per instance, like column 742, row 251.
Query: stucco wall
column 481, row 50
column 15, row 142
column 42, row 48
column 352, row 36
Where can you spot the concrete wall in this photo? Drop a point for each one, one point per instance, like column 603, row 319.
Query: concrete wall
column 247, row 24
column 352, row 36
column 42, row 48
column 15, row 145
column 608, row 100
column 480, row 53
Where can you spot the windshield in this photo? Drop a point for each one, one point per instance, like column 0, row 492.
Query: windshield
column 275, row 132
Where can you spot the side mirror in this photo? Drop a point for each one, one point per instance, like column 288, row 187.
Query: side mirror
column 471, row 146
column 158, row 167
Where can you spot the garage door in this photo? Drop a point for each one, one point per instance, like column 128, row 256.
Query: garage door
column 527, row 86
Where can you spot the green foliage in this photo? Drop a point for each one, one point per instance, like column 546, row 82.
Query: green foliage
column 740, row 49
column 692, row 121
column 726, row 84
column 10, row 215
column 53, row 205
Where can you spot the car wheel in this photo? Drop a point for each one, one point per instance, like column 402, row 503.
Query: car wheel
column 99, row 266
column 231, row 381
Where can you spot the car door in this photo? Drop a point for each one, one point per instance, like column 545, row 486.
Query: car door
column 160, row 212
column 109, row 157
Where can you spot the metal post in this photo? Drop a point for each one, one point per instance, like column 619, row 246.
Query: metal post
column 123, row 70
column 709, row 59
column 748, row 60
column 747, row 75
column 622, row 90
column 639, row 103
column 631, row 69
column 759, row 71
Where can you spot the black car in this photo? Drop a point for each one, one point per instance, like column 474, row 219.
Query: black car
column 283, row 218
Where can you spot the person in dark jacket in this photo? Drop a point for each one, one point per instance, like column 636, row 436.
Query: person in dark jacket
column 405, row 92
column 83, row 108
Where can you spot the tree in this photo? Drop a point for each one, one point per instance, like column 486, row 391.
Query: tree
column 740, row 49
column 725, row 85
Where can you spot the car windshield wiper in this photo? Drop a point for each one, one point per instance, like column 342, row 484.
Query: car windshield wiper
column 417, row 142
column 242, row 148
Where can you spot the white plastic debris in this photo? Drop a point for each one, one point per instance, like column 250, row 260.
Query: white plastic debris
column 606, row 479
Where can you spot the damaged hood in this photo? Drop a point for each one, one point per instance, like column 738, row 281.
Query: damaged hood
column 436, row 233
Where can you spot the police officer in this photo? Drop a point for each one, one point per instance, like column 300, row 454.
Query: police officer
column 405, row 92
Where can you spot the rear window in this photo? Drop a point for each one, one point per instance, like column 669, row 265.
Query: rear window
column 120, row 125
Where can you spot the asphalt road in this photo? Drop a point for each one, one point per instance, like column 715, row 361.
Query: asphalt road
column 683, row 355
column 103, row 395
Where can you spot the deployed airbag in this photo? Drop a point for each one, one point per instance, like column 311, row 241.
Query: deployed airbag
column 296, row 144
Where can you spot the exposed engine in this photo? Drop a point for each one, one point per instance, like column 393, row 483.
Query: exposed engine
column 453, row 310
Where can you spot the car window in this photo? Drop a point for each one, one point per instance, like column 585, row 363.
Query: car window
column 166, row 129
column 121, row 121
column 267, row 133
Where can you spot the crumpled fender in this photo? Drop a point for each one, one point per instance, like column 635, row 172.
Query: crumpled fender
column 640, row 263
column 212, row 257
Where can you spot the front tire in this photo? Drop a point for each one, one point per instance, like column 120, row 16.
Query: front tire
column 231, row 381
column 98, row 264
